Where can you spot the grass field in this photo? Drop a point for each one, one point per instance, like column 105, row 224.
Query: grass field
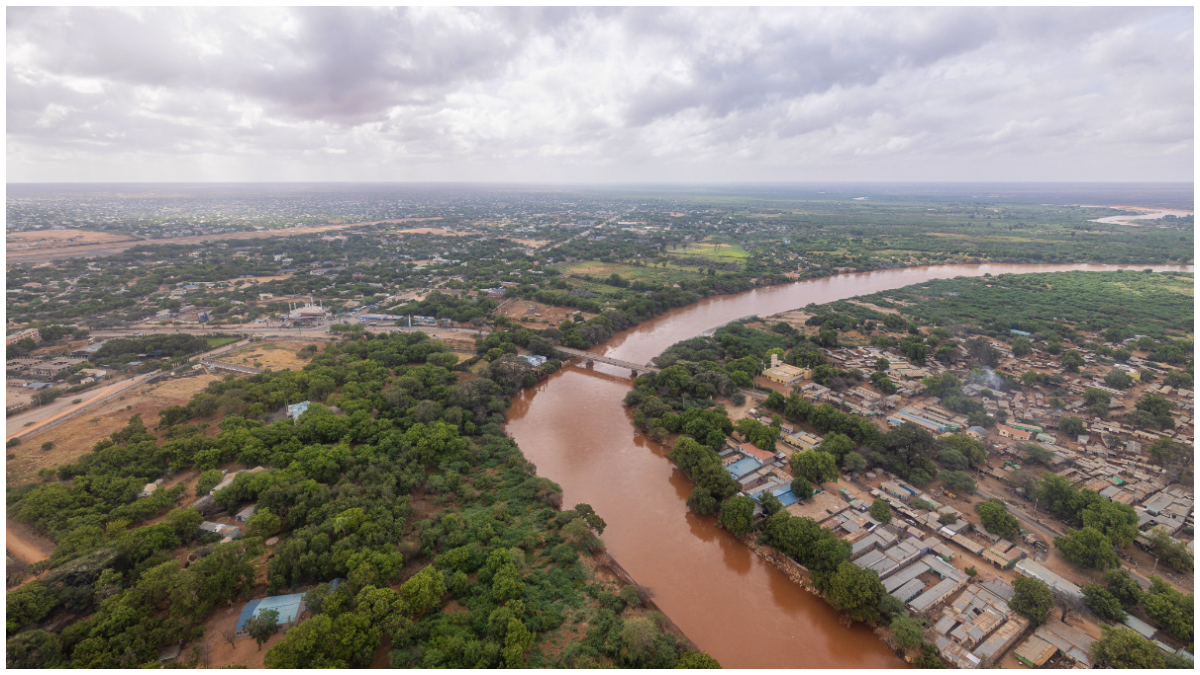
column 214, row 342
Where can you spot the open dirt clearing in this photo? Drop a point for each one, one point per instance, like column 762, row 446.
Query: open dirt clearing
column 92, row 250
column 519, row 310
column 22, row 543
column 77, row 435
column 274, row 355
column 432, row 230
column 43, row 239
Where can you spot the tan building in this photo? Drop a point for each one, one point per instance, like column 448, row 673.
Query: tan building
column 785, row 374
column 32, row 333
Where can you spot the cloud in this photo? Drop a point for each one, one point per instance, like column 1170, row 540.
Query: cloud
column 603, row 94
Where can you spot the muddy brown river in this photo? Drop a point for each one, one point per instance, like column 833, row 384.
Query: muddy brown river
column 728, row 601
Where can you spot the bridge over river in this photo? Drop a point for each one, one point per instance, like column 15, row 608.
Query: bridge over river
column 636, row 368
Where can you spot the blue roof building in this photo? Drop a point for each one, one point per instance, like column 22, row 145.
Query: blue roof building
column 289, row 607
column 743, row 467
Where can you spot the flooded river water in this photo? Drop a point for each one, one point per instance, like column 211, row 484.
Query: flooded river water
column 728, row 601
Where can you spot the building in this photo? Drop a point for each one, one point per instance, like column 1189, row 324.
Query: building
column 290, row 608
column 295, row 410
column 1015, row 434
column 31, row 333
column 50, row 368
column 785, row 374
column 1035, row 652
column 1032, row 570
column 1004, row 554
column 245, row 514
column 227, row 531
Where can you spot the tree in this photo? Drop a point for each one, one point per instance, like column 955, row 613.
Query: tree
column 802, row 488
column 737, row 515
column 928, row 658
column 517, row 641
column 1088, row 548
column 1118, row 522
column 589, row 515
column 908, row 633
column 263, row 625
column 263, row 523
column 1032, row 599
column 854, row 462
column 1159, row 407
column 1123, row 587
column 1166, row 452
column 1104, row 604
column 1071, row 426
column 995, row 518
column 34, row 649
column 817, row 466
column 347, row 641
column 882, row 364
column 1021, row 346
column 1170, row 609
column 1172, row 553
column 881, row 512
column 1118, row 379
column 1038, row 454
column 1121, row 647
column 770, row 503
column 959, row 481
column 856, row 591
column 1072, row 361
column 1097, row 401
column 424, row 590
column 696, row 660
column 701, row 501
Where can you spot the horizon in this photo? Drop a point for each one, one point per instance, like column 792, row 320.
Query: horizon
column 600, row 95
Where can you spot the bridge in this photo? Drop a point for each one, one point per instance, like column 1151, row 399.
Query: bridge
column 592, row 358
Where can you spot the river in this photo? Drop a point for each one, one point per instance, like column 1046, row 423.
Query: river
column 728, row 601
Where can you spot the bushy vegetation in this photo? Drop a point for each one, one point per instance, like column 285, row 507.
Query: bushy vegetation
column 401, row 467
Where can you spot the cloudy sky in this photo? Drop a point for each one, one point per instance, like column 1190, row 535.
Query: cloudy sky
column 614, row 95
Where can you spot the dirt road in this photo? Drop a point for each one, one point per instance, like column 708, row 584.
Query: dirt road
column 101, row 250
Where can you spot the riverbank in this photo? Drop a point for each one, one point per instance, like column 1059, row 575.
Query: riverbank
column 730, row 602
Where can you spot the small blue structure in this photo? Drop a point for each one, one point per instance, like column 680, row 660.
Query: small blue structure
column 1022, row 333
column 297, row 409
column 534, row 360
column 786, row 495
column 743, row 467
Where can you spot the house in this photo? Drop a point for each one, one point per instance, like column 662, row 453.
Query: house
column 785, row 374
column 244, row 515
column 290, row 608
column 1009, row 432
column 149, row 488
column 227, row 531
column 1032, row 570
column 1004, row 554
column 1035, row 652
column 752, row 450
column 743, row 467
column 295, row 410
